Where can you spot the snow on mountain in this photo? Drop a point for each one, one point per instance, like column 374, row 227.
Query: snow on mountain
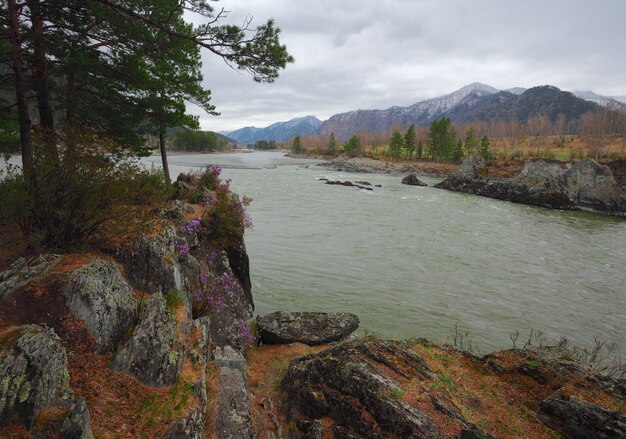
column 606, row 101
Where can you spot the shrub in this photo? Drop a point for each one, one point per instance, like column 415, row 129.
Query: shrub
column 210, row 295
column 224, row 217
column 84, row 186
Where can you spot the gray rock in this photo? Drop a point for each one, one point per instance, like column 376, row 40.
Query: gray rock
column 177, row 209
column 151, row 353
column 77, row 424
column 151, row 263
column 312, row 328
column 98, row 293
column 580, row 419
column 238, row 308
column 33, row 374
column 228, row 357
column 22, row 272
column 191, row 427
column 412, row 180
column 342, row 383
column 472, row 167
column 232, row 420
column 585, row 185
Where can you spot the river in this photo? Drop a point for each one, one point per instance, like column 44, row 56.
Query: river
column 416, row 262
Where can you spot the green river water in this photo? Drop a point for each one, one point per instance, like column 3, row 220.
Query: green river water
column 416, row 262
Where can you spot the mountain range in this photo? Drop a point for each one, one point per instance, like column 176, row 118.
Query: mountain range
column 279, row 131
column 473, row 102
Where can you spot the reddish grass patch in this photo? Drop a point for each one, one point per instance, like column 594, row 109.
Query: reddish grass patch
column 267, row 365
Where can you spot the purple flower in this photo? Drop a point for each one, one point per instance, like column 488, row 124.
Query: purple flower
column 244, row 332
column 192, row 226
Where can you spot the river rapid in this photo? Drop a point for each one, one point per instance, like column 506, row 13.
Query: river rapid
column 418, row 262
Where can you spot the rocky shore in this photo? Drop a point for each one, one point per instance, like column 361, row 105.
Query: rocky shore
column 586, row 185
column 370, row 165
column 110, row 344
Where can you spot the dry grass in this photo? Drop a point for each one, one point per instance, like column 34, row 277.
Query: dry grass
column 267, row 365
column 212, row 390
column 502, row 403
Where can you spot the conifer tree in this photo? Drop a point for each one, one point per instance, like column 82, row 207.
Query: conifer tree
column 409, row 141
column 395, row 145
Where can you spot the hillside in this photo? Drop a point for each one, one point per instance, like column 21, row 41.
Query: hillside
column 279, row 131
column 472, row 102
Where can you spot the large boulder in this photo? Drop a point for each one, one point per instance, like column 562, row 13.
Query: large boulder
column 23, row 271
column 312, row 328
column 412, row 180
column 98, row 293
column 342, row 383
column 580, row 419
column 151, row 353
column 33, row 373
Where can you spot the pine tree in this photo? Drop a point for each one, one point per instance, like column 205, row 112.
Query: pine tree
column 409, row 141
column 485, row 151
column 395, row 145
column 441, row 138
column 471, row 142
column 352, row 146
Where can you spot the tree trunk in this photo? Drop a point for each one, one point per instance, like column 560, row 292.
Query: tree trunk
column 166, row 168
column 26, row 143
column 70, row 97
column 41, row 69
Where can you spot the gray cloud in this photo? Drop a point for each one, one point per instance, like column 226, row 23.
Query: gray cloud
column 373, row 54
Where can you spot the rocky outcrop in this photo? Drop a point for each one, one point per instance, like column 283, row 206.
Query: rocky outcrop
column 412, row 180
column 343, row 384
column 98, row 293
column 151, row 353
column 579, row 419
column 586, row 185
column 232, row 420
column 23, row 271
column 33, row 374
column 311, row 328
column 151, row 263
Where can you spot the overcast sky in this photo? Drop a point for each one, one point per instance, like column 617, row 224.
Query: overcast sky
column 366, row 54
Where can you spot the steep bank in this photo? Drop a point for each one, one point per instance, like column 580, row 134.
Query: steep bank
column 145, row 341
column 585, row 185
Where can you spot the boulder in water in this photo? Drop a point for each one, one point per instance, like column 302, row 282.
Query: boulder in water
column 412, row 180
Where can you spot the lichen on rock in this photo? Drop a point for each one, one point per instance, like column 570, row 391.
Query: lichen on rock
column 152, row 353
column 23, row 271
column 98, row 293
column 33, row 374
